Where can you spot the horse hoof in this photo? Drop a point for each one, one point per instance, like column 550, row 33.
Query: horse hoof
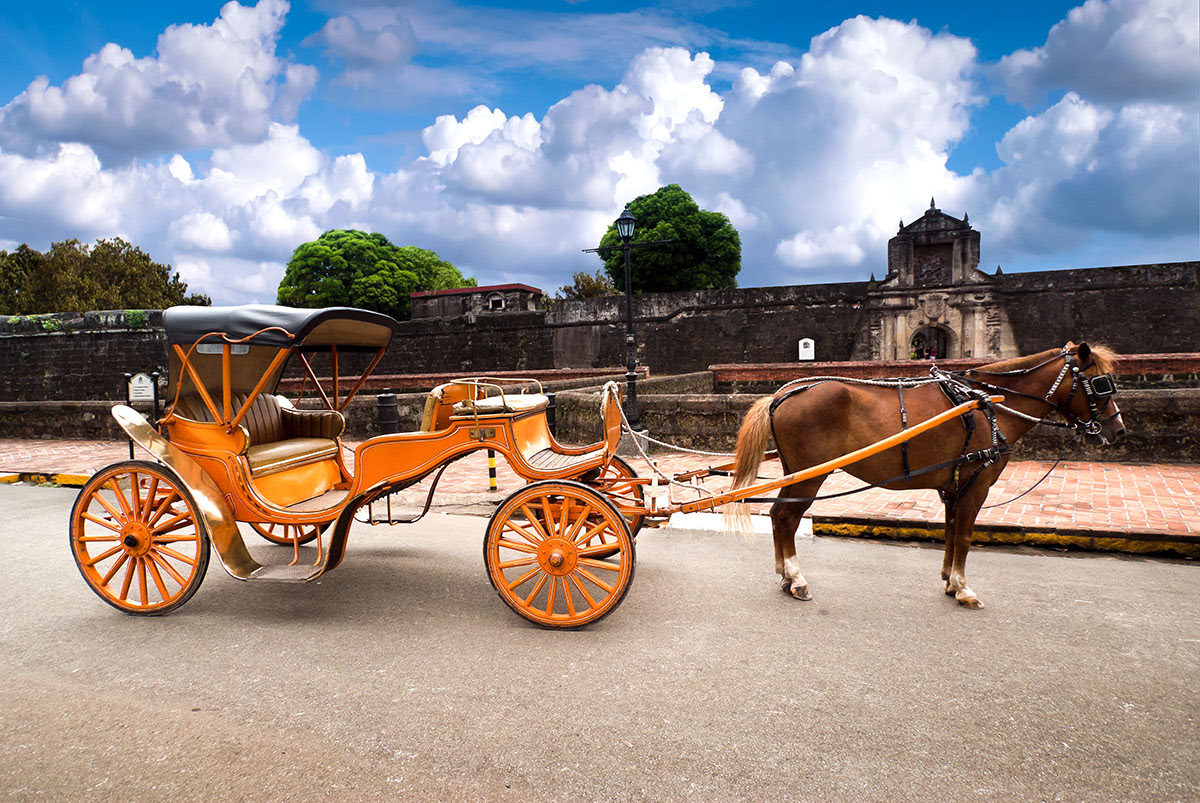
column 800, row 592
column 946, row 589
column 970, row 602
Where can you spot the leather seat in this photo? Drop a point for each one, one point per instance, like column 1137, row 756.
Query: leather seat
column 492, row 405
column 280, row 438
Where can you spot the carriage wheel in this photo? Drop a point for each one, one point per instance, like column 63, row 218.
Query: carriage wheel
column 285, row 534
column 629, row 498
column 549, row 554
column 136, row 539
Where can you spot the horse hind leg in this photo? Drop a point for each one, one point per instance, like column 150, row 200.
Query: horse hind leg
column 948, row 557
column 785, row 520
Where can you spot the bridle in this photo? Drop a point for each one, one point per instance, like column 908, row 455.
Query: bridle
column 1098, row 390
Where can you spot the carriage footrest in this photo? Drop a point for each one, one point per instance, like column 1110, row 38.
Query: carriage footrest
column 285, row 574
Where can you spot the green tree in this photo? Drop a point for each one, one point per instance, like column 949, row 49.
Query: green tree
column 351, row 268
column 73, row 277
column 706, row 254
column 588, row 285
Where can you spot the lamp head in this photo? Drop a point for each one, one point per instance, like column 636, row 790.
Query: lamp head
column 625, row 224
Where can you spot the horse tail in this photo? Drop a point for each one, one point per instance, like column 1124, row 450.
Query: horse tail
column 751, row 447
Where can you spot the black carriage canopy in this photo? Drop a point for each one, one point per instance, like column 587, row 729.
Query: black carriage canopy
column 347, row 328
column 344, row 327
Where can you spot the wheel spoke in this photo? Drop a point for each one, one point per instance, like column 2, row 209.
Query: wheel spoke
column 163, row 507
column 135, row 504
column 592, row 533
column 596, row 580
column 150, row 494
column 115, row 484
column 578, row 523
column 174, row 523
column 524, row 578
column 116, row 567
column 567, row 597
column 575, row 581
column 536, row 588
column 516, row 546
column 158, row 581
column 512, row 564
column 521, row 531
column 179, row 556
column 167, row 567
column 106, row 554
column 128, row 579
column 102, row 523
column 533, row 520
column 111, row 510
column 141, row 566
column 548, row 517
column 599, row 564
column 550, row 596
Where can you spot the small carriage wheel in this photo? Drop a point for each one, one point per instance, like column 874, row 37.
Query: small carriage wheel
column 543, row 553
column 136, row 538
column 627, row 498
column 284, row 534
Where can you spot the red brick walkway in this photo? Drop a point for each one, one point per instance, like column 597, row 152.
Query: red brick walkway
column 1104, row 497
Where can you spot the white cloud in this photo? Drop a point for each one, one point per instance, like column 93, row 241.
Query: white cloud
column 1114, row 51
column 209, row 86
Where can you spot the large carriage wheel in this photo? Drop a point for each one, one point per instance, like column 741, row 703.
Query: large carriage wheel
column 136, row 539
column 549, row 552
column 285, row 534
column 628, row 498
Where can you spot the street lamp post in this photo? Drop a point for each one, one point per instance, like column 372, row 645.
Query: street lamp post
column 625, row 225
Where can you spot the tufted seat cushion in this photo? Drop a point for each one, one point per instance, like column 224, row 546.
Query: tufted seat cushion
column 514, row 403
column 280, row 438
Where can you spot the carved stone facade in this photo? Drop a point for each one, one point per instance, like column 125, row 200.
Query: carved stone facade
column 934, row 301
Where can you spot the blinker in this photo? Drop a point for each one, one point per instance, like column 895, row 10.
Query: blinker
column 1103, row 385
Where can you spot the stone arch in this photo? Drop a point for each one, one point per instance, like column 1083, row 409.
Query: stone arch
column 932, row 341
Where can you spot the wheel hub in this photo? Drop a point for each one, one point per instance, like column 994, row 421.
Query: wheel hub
column 136, row 538
column 558, row 556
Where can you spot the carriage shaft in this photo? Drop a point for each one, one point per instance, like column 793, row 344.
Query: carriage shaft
column 836, row 463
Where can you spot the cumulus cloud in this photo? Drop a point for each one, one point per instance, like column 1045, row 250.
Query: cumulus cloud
column 1113, row 51
column 814, row 159
column 208, row 86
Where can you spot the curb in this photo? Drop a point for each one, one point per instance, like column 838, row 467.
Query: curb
column 44, row 478
column 1128, row 543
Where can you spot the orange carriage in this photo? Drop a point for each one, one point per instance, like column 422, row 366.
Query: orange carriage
column 559, row 551
column 229, row 451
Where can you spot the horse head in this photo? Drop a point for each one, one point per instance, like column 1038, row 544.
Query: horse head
column 1091, row 394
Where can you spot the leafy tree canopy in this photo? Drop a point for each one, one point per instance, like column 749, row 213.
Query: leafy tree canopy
column 706, row 254
column 588, row 285
column 74, row 277
column 351, row 268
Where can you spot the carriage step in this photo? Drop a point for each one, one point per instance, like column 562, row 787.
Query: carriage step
column 285, row 574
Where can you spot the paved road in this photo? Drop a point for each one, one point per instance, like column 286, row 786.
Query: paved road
column 402, row 675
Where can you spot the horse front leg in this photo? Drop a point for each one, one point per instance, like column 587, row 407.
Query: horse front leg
column 964, row 527
column 785, row 520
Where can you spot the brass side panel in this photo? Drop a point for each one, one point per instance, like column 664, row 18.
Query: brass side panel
column 216, row 512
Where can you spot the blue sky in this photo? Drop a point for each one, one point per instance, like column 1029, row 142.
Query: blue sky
column 507, row 136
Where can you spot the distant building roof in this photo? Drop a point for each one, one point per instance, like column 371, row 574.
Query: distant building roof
column 484, row 289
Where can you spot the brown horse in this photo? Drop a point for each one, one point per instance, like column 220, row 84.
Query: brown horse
column 823, row 419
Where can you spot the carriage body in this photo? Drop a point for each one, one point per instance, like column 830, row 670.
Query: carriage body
column 228, row 450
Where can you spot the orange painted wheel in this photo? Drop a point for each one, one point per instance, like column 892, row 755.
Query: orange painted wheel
column 549, row 552
column 629, row 498
column 136, row 538
column 285, row 534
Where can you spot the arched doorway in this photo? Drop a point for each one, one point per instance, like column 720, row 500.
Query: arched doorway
column 930, row 343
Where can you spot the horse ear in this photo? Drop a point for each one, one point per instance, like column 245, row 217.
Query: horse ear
column 1085, row 353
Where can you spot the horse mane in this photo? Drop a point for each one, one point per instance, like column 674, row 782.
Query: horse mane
column 1104, row 358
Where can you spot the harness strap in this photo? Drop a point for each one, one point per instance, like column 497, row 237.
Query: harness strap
column 903, row 426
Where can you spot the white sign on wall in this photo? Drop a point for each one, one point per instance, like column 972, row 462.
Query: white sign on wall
column 808, row 349
column 141, row 388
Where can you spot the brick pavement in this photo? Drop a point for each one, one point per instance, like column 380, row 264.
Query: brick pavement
column 1098, row 499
